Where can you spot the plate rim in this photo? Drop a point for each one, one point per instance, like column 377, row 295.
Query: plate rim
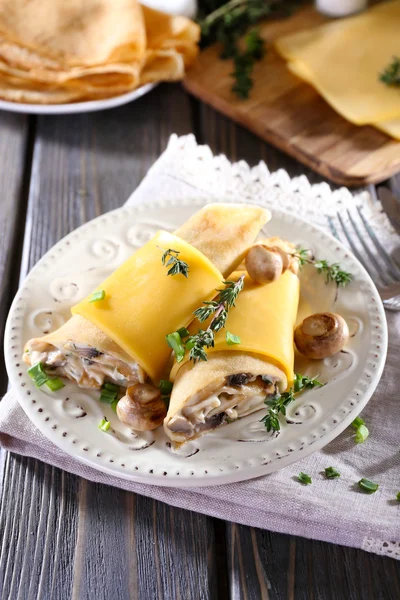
column 198, row 481
column 69, row 108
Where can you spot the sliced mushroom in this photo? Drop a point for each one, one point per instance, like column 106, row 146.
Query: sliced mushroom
column 264, row 264
column 321, row 335
column 142, row 407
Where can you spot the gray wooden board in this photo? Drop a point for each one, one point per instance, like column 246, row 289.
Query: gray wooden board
column 64, row 537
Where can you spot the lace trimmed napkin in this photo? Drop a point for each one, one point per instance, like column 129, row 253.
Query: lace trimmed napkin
column 332, row 511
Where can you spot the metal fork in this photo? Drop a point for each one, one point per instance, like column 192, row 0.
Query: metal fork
column 384, row 270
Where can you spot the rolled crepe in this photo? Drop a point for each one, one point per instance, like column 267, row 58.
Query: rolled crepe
column 236, row 379
column 121, row 339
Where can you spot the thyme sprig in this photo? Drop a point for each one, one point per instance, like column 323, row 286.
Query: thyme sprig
column 278, row 403
column 391, row 74
column 226, row 22
column 332, row 271
column 170, row 259
column 197, row 344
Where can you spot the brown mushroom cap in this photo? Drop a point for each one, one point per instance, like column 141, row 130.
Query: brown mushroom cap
column 142, row 407
column 264, row 264
column 321, row 335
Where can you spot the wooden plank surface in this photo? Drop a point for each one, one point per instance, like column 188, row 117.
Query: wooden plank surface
column 63, row 537
column 292, row 116
column 13, row 148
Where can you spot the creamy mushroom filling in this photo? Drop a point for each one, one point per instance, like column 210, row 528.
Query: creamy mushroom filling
column 85, row 365
column 241, row 395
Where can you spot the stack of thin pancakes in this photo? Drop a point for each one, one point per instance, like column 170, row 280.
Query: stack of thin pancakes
column 58, row 51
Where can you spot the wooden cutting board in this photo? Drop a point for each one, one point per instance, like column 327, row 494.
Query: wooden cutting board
column 291, row 115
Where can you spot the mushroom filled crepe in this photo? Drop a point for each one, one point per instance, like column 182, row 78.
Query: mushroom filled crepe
column 117, row 334
column 246, row 366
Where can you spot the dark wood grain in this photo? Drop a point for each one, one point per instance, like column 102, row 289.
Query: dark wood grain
column 264, row 565
column 64, row 537
column 13, row 148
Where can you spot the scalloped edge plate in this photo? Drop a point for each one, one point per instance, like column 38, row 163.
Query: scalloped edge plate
column 51, row 287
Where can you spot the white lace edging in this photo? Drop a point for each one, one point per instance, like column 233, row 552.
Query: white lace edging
column 381, row 547
column 195, row 164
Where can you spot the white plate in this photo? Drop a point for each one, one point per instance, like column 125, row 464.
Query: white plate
column 76, row 107
column 242, row 450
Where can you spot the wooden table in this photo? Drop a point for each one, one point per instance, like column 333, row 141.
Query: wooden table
column 62, row 536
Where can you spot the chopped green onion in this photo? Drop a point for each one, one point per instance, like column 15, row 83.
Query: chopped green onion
column 96, row 296
column 104, row 424
column 114, row 404
column 107, row 397
column 111, row 387
column 304, row 478
column 357, row 422
column 190, row 344
column 166, row 400
column 232, row 339
column 331, row 473
column 174, row 341
column 183, row 332
column 398, row 496
column 38, row 375
column 361, row 434
column 165, row 387
column 54, row 384
column 368, row 486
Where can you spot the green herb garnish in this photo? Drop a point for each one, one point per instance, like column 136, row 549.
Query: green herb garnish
column 331, row 473
column 398, row 496
column 109, row 393
column 357, row 422
column 367, row 486
column 165, row 387
column 96, row 296
column 302, row 382
column 361, row 430
column 170, row 259
column 391, row 74
column 278, row 403
column 38, row 375
column 361, row 434
column 104, row 424
column 183, row 332
column 226, row 22
column 219, row 308
column 331, row 271
column 304, row 478
column 54, row 384
column 174, row 341
column 244, row 64
column 232, row 339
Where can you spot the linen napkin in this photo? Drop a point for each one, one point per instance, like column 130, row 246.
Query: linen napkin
column 330, row 510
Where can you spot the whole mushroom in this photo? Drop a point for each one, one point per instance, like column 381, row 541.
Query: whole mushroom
column 264, row 264
column 142, row 407
column 321, row 335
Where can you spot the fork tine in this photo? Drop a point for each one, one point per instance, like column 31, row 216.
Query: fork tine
column 384, row 276
column 356, row 252
column 394, row 269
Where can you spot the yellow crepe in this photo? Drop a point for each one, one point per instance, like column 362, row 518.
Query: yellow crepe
column 76, row 32
column 53, row 51
column 391, row 128
column 264, row 319
column 343, row 60
column 143, row 304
